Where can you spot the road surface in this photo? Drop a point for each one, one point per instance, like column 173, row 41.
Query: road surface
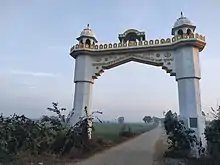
column 138, row 151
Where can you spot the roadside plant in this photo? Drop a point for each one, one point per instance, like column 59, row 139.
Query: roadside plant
column 180, row 138
column 50, row 134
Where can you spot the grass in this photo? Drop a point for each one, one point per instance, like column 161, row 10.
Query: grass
column 110, row 131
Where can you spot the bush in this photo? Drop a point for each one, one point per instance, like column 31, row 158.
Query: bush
column 212, row 133
column 180, row 138
column 51, row 135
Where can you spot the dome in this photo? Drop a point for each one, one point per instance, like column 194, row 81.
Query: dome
column 87, row 32
column 182, row 21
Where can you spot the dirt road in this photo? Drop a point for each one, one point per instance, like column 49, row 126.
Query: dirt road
column 138, row 151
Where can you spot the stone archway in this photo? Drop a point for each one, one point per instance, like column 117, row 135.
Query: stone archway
column 178, row 56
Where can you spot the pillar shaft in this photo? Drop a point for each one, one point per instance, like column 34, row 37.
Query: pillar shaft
column 190, row 101
column 83, row 87
column 82, row 99
column 188, row 77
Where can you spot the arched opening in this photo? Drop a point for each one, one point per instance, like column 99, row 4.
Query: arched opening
column 88, row 42
column 132, row 37
column 189, row 31
column 81, row 41
column 126, row 96
column 180, row 32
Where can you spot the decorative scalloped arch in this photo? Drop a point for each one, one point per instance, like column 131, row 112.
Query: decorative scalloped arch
column 125, row 45
column 168, row 40
column 162, row 41
column 140, row 43
column 191, row 35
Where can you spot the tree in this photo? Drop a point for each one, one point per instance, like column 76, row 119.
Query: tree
column 121, row 120
column 215, row 113
column 147, row 119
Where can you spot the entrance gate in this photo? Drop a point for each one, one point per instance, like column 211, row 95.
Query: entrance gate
column 178, row 56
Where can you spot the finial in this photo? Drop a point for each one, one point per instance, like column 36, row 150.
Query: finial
column 181, row 14
column 87, row 25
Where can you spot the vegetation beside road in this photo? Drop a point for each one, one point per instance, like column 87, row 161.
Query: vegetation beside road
column 52, row 140
column 181, row 140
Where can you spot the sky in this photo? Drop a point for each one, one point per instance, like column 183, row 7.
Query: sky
column 36, row 69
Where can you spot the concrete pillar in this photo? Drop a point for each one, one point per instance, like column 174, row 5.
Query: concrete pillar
column 83, row 87
column 188, row 76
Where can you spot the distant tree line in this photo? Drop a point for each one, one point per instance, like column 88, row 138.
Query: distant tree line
column 149, row 119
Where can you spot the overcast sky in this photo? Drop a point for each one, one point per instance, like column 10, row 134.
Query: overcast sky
column 36, row 69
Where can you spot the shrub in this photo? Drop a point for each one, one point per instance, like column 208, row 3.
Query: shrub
column 180, row 138
column 51, row 135
column 212, row 133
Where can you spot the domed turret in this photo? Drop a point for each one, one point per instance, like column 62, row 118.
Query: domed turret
column 87, row 36
column 183, row 26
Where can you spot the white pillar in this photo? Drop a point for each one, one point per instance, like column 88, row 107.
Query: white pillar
column 188, row 76
column 83, row 87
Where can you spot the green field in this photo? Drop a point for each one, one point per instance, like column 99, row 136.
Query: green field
column 110, row 131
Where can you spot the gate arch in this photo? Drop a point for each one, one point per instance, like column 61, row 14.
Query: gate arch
column 177, row 55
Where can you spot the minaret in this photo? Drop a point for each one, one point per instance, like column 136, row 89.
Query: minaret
column 188, row 79
column 83, row 77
